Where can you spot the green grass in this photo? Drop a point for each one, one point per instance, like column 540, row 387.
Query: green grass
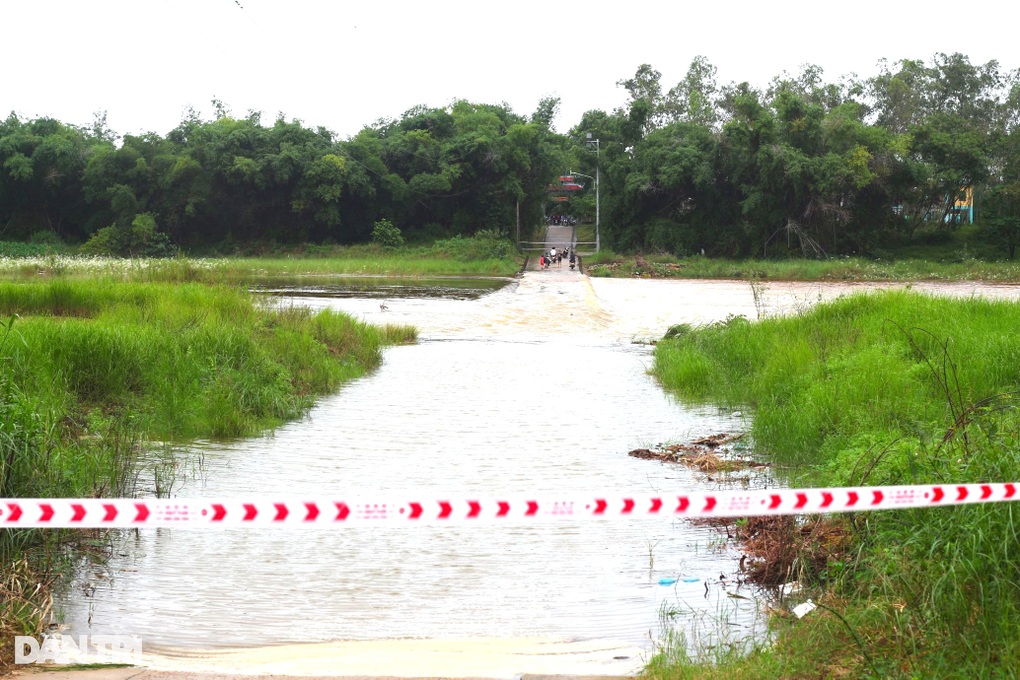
column 610, row 264
column 185, row 360
column 886, row 388
column 932, row 254
column 585, row 233
column 101, row 356
column 22, row 249
column 92, row 370
column 476, row 256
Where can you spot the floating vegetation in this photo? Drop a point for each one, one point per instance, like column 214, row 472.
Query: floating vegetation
column 700, row 454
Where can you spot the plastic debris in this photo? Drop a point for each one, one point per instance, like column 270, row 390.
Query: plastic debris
column 802, row 609
column 667, row 581
column 791, row 587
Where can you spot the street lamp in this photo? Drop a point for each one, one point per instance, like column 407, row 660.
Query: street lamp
column 581, row 174
column 591, row 141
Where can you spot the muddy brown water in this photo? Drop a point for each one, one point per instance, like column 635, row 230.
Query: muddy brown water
column 535, row 387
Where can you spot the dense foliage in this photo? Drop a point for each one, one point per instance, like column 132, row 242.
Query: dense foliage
column 806, row 166
column 800, row 167
column 434, row 173
column 886, row 388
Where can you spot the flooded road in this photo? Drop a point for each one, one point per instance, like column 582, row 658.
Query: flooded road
column 538, row 388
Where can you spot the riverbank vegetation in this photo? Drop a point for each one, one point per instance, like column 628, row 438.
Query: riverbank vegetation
column 805, row 168
column 886, row 388
column 94, row 371
column 611, row 265
column 964, row 254
column 479, row 256
column 233, row 185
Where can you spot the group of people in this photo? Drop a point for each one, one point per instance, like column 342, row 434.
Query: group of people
column 563, row 220
column 555, row 256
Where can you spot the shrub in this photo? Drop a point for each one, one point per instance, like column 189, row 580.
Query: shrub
column 386, row 234
column 141, row 239
column 47, row 237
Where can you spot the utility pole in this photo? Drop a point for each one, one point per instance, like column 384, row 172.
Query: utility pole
column 589, row 141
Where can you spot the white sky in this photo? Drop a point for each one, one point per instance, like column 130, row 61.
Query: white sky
column 345, row 65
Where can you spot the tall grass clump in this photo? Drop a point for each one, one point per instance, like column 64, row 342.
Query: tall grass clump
column 885, row 388
column 90, row 370
column 185, row 360
column 39, row 458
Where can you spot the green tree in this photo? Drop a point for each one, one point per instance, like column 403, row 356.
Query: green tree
column 41, row 164
column 1002, row 216
column 386, row 234
column 695, row 98
column 141, row 238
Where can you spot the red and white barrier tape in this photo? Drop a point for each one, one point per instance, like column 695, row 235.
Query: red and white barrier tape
column 334, row 512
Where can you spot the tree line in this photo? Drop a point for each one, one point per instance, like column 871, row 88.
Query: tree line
column 435, row 172
column 807, row 166
column 801, row 166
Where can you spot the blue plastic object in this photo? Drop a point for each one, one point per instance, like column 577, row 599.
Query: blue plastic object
column 667, row 581
column 691, row 579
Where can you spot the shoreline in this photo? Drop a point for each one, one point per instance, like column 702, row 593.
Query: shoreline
column 495, row 658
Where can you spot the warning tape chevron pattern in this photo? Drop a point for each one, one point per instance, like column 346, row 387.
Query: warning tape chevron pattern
column 333, row 512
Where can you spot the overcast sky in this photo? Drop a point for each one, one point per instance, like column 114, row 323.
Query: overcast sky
column 344, row 65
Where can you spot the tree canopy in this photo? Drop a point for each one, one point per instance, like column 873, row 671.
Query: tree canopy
column 802, row 166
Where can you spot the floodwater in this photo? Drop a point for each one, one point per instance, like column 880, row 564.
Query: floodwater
column 538, row 386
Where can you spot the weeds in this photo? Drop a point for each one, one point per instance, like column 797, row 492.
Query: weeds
column 485, row 255
column 92, row 372
column 699, row 643
column 758, row 290
column 25, row 603
column 609, row 264
column 888, row 388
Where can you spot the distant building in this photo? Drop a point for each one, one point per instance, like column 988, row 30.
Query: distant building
column 960, row 212
column 963, row 208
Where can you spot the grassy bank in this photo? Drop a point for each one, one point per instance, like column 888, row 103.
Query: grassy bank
column 609, row 264
column 888, row 388
column 93, row 369
column 477, row 256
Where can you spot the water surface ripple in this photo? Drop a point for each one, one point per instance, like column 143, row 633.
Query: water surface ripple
column 536, row 388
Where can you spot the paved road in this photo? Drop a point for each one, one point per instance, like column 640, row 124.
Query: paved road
column 556, row 237
column 560, row 237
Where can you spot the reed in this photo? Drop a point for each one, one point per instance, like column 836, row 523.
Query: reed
column 884, row 388
column 92, row 370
